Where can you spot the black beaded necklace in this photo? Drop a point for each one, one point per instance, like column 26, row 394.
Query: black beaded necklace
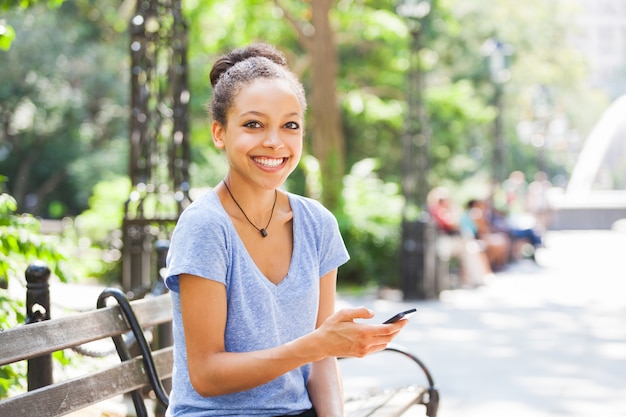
column 264, row 230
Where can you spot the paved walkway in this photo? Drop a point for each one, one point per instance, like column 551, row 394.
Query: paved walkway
column 541, row 340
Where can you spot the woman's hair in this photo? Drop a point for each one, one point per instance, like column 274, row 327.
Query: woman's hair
column 471, row 203
column 232, row 71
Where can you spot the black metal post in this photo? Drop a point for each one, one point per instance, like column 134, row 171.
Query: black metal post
column 499, row 169
column 159, row 136
column 38, row 309
column 418, row 263
column 542, row 113
column 497, row 54
column 418, row 260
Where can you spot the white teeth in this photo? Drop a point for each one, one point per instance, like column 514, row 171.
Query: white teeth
column 269, row 162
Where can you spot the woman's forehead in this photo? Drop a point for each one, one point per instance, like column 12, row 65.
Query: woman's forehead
column 268, row 95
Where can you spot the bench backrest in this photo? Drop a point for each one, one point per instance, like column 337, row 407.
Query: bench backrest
column 37, row 339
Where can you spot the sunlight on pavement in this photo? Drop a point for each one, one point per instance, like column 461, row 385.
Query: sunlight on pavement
column 542, row 339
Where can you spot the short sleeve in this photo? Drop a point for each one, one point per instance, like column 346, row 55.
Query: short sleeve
column 199, row 244
column 319, row 227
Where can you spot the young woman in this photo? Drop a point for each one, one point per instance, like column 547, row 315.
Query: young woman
column 252, row 269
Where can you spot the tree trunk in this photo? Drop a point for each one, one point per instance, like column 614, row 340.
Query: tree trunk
column 326, row 126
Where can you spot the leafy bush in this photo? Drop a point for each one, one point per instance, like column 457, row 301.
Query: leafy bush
column 20, row 244
column 100, row 228
column 370, row 225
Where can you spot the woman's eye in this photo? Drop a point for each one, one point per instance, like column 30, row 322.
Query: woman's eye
column 292, row 125
column 252, row 124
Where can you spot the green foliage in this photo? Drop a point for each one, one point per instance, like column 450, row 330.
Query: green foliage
column 98, row 231
column 63, row 100
column 7, row 33
column 10, row 4
column 457, row 127
column 370, row 226
column 20, row 244
column 12, row 377
column 106, row 210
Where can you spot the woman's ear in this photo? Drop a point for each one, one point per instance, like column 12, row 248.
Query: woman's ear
column 218, row 132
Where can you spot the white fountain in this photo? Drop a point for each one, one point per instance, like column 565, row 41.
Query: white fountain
column 595, row 197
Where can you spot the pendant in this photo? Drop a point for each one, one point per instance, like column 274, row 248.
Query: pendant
column 263, row 232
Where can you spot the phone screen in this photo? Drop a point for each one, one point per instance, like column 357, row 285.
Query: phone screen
column 400, row 315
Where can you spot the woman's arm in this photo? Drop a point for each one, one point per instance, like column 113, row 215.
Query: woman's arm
column 325, row 385
column 213, row 371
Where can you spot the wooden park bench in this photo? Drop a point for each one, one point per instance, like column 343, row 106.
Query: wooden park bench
column 145, row 370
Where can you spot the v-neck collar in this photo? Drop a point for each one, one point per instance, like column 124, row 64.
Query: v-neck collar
column 243, row 249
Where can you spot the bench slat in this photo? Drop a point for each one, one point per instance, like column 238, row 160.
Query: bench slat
column 65, row 397
column 385, row 404
column 365, row 406
column 32, row 340
column 399, row 403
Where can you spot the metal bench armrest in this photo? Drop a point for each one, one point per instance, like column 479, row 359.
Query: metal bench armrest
column 144, row 348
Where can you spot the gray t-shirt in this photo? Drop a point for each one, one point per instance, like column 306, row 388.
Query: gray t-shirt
column 260, row 314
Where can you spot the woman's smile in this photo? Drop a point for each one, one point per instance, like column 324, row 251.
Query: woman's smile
column 269, row 162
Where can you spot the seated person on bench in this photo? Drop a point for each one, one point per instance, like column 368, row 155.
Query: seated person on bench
column 252, row 269
column 474, row 264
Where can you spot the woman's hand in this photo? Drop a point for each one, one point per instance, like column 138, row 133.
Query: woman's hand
column 341, row 336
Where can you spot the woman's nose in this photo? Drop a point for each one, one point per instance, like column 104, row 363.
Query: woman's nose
column 273, row 140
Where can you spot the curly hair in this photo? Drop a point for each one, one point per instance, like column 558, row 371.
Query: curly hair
column 232, row 71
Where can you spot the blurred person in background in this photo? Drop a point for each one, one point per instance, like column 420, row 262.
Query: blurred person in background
column 473, row 262
column 475, row 224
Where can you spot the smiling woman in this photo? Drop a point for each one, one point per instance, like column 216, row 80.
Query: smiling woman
column 252, row 269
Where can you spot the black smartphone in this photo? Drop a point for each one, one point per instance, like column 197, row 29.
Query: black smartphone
column 401, row 315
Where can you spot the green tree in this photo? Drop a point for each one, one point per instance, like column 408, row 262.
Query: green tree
column 63, row 110
column 542, row 56
column 7, row 33
column 316, row 35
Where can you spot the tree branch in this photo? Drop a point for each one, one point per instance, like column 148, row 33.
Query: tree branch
column 297, row 25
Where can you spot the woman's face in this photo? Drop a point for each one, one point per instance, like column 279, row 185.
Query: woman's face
column 263, row 135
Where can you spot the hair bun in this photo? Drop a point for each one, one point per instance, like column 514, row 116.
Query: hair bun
column 227, row 61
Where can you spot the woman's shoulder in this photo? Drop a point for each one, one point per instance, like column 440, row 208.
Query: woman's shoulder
column 206, row 209
column 308, row 206
column 312, row 215
column 207, row 203
column 203, row 225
